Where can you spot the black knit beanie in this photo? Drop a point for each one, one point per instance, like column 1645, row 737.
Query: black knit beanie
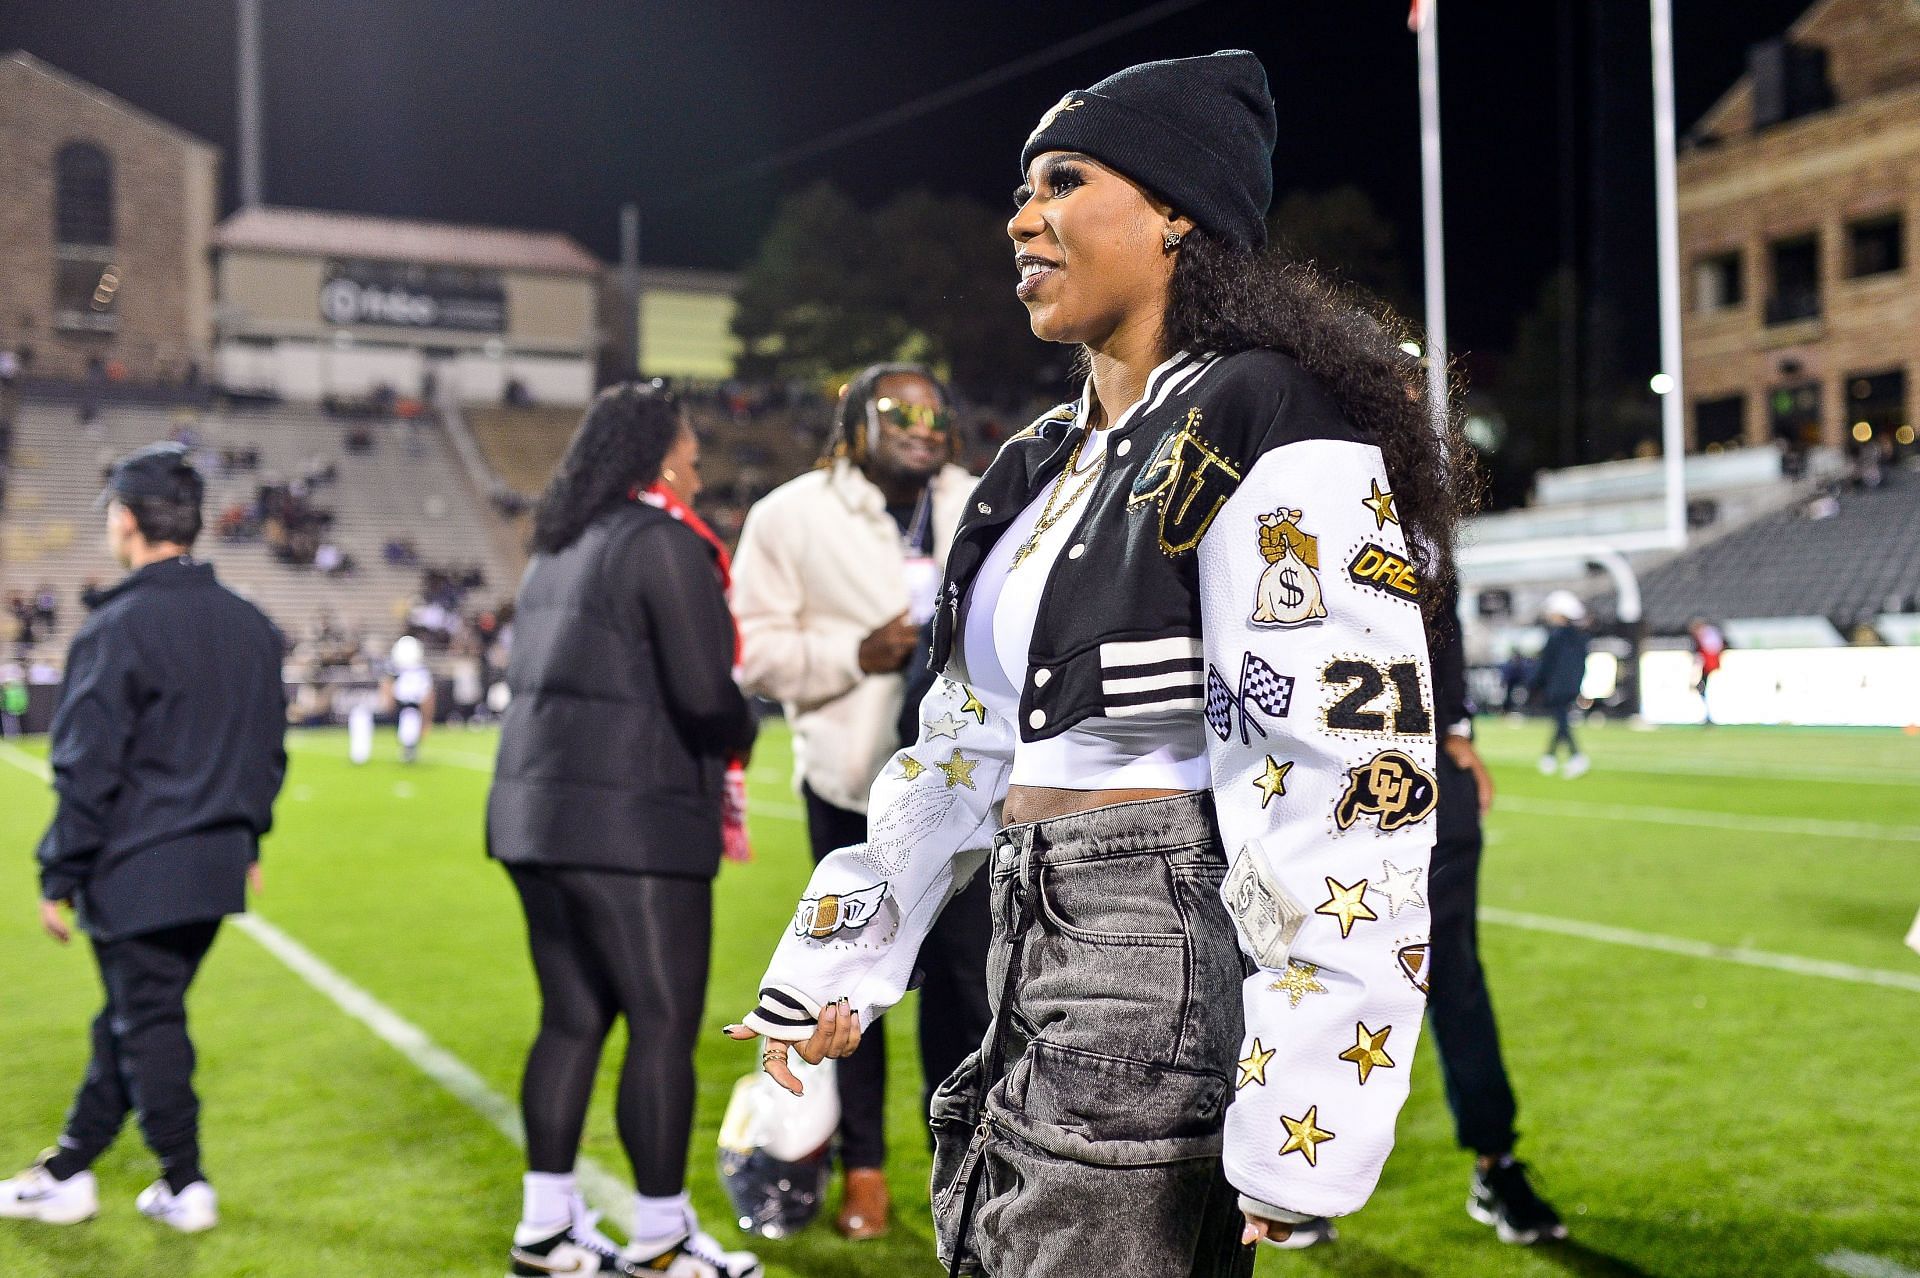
column 1198, row 132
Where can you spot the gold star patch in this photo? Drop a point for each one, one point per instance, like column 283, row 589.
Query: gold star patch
column 1368, row 1050
column 1348, row 904
column 1273, row 781
column 1253, row 1066
column 911, row 768
column 973, row 707
column 1297, row 981
column 1305, row 1136
column 1381, row 504
column 958, row 770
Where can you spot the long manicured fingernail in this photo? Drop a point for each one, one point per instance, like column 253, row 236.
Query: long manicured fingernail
column 1248, row 1236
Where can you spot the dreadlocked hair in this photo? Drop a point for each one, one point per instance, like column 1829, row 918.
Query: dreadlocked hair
column 1226, row 297
column 619, row 446
column 848, row 438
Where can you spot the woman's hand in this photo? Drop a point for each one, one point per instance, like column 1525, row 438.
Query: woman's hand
column 836, row 1034
column 1259, row 1227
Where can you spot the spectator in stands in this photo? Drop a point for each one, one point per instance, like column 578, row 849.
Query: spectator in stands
column 836, row 580
column 606, row 809
column 1561, row 667
column 46, row 606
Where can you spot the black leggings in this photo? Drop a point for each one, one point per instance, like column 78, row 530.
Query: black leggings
column 607, row 944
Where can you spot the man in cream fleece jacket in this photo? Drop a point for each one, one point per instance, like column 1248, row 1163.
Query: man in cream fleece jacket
column 833, row 584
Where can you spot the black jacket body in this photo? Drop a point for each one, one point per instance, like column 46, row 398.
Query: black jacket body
column 1130, row 576
column 168, row 751
column 624, row 709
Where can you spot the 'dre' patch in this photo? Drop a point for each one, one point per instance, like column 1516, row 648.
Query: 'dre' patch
column 1378, row 568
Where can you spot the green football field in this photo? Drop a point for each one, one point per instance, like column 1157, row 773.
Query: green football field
column 1696, row 952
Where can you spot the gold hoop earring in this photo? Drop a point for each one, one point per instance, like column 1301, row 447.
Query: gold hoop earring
column 669, row 476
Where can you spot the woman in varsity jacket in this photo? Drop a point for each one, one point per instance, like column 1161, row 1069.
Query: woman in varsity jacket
column 1185, row 723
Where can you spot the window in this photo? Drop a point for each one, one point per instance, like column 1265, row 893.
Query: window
column 1716, row 282
column 1877, row 407
column 1719, row 423
column 83, row 196
column 84, row 293
column 1793, row 413
column 1796, row 280
column 1874, row 246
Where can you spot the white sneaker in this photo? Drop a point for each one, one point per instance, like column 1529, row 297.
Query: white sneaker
column 193, row 1210
column 1548, row 765
column 697, row 1255
column 1577, row 766
column 35, row 1195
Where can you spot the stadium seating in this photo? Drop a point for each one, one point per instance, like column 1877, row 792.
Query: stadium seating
column 1856, row 563
column 51, row 531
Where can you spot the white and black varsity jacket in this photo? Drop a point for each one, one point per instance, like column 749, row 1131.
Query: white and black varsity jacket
column 1241, row 557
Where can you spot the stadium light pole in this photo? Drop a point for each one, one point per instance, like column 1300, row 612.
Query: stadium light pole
column 1424, row 18
column 1667, row 212
column 248, row 75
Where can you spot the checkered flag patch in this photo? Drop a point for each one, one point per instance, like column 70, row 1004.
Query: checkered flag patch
column 1220, row 704
column 1266, row 687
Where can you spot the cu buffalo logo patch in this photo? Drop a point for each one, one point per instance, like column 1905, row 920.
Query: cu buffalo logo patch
column 1378, row 568
column 1390, row 788
column 821, row 916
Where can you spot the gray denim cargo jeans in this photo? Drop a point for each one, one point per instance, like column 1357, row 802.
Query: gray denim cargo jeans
column 1115, row 981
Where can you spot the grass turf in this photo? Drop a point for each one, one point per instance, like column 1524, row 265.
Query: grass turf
column 1690, row 1116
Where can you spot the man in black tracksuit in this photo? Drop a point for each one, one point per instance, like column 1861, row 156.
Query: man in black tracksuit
column 167, row 753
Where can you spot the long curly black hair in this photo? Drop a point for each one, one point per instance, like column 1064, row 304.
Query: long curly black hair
column 1226, row 297
column 619, row 446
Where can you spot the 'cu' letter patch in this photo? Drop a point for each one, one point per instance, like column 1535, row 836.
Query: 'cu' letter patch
column 1379, row 568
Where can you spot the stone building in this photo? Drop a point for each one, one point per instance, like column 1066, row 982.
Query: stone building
column 1799, row 192
column 316, row 305
column 105, row 217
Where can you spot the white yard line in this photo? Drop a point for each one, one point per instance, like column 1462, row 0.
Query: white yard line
column 1645, row 766
column 1799, row 827
column 25, row 762
column 1857, row 1264
column 1797, row 964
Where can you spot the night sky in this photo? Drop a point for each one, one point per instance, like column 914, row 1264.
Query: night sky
column 550, row 113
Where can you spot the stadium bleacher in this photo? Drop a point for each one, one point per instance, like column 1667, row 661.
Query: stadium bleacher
column 407, row 486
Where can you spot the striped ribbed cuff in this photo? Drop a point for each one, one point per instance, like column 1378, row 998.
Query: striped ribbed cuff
column 783, row 1013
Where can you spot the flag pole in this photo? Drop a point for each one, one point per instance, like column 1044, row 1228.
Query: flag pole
column 1425, row 21
column 1673, row 402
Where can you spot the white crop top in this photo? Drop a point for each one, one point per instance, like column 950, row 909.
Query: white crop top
column 1149, row 752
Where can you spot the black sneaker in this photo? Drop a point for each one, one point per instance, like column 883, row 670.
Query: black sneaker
column 574, row 1252
column 1502, row 1198
column 1311, row 1234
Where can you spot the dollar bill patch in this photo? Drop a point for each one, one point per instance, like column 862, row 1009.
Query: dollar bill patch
column 1268, row 917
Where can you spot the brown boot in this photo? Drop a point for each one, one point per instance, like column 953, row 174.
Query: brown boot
column 863, row 1206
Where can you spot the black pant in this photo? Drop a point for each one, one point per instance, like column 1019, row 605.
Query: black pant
column 1458, row 1005
column 954, row 1015
column 607, row 944
column 142, row 1058
column 1562, row 713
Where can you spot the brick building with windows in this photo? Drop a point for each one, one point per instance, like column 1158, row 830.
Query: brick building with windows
column 106, row 214
column 1799, row 194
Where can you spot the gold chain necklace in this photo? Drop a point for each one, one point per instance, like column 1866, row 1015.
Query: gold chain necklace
column 1056, row 508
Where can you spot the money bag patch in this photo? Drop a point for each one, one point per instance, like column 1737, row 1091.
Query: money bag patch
column 1289, row 591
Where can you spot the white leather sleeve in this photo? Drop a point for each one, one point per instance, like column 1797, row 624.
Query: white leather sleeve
column 933, row 812
column 1320, row 721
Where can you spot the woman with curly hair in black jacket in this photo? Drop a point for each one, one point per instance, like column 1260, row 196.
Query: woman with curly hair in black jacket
column 606, row 810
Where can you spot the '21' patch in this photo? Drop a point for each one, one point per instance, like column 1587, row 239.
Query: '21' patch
column 1380, row 569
